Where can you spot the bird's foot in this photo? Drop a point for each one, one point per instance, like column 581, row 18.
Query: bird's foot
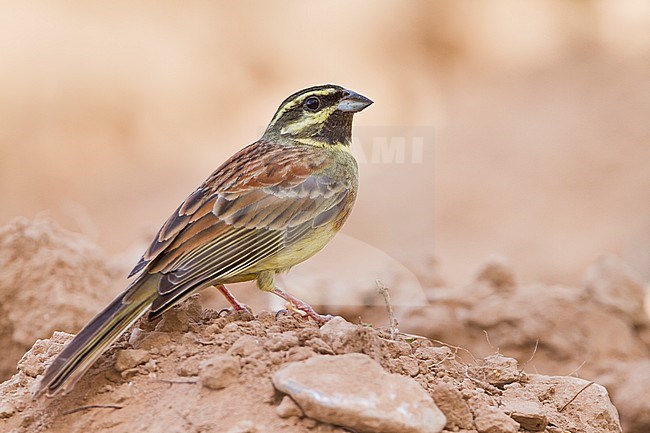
column 236, row 305
column 302, row 307
column 227, row 311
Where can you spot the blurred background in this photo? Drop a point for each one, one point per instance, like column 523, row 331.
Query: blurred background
column 524, row 125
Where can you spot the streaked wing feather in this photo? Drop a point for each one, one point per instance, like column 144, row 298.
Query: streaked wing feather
column 190, row 210
column 222, row 256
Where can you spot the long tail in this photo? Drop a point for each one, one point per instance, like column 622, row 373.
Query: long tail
column 97, row 336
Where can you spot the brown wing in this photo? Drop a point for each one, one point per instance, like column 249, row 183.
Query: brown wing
column 261, row 200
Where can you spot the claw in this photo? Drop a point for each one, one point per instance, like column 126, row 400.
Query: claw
column 302, row 307
column 231, row 310
column 283, row 312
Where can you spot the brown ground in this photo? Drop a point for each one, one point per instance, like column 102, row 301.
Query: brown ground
column 165, row 388
column 597, row 332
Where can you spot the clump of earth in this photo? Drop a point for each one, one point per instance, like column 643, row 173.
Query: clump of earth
column 494, row 356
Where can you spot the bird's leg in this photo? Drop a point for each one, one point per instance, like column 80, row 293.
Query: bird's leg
column 302, row 306
column 266, row 282
column 236, row 305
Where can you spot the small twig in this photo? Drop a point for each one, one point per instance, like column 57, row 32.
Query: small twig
column 488, row 388
column 204, row 342
column 523, row 366
column 487, row 337
column 414, row 336
column 456, row 349
column 92, row 406
column 575, row 396
column 383, row 291
column 575, row 372
column 450, row 357
column 177, row 381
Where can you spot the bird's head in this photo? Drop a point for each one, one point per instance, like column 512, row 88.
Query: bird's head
column 319, row 116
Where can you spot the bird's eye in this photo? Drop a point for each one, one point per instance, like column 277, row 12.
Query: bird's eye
column 312, row 103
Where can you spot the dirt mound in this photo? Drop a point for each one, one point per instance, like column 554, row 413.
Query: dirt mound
column 50, row 280
column 598, row 331
column 162, row 376
column 217, row 373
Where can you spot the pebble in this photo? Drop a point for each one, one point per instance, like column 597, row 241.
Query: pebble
column 530, row 421
column 341, row 335
column 245, row 346
column 283, row 341
column 450, row 400
column 130, row 358
column 528, row 412
column 219, row 371
column 188, row 368
column 409, row 366
column 493, row 420
column 353, row 391
column 299, row 353
column 500, row 370
column 319, row 346
column 288, row 408
column 6, row 410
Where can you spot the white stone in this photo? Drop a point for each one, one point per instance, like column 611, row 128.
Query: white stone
column 353, row 391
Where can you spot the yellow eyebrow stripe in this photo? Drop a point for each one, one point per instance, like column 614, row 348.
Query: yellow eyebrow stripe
column 297, row 101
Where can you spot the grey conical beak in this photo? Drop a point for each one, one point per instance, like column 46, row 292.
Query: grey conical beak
column 353, row 102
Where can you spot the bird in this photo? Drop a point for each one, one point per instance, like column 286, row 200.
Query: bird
column 270, row 206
